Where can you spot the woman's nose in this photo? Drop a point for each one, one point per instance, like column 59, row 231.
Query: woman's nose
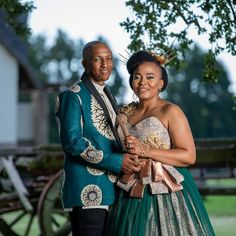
column 142, row 81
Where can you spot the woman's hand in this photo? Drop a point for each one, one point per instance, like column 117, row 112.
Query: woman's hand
column 134, row 146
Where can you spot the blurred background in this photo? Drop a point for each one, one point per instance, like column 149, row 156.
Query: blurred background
column 40, row 55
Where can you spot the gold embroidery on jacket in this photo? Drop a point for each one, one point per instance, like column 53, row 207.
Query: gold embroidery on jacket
column 91, row 195
column 92, row 155
column 94, row 171
column 99, row 120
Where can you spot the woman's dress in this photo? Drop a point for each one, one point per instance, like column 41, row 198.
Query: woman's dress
column 168, row 213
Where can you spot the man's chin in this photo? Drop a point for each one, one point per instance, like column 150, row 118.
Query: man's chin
column 100, row 80
column 104, row 78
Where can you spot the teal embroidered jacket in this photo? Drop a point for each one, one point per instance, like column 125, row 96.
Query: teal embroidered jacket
column 93, row 157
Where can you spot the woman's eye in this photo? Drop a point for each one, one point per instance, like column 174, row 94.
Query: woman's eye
column 136, row 77
column 150, row 77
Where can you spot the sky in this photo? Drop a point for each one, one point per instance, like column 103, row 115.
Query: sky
column 87, row 19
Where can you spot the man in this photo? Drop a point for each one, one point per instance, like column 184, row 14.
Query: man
column 93, row 157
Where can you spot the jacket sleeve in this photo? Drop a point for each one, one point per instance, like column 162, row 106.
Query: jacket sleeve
column 77, row 147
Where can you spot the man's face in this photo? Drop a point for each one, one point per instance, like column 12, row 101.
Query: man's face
column 98, row 64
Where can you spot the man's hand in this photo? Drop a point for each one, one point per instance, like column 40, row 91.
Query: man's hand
column 130, row 164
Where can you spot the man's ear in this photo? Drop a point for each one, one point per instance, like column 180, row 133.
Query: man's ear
column 84, row 63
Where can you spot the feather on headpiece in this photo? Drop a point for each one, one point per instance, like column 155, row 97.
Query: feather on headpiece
column 161, row 59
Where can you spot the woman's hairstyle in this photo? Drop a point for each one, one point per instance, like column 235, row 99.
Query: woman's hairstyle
column 144, row 56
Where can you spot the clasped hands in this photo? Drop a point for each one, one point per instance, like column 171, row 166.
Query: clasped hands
column 134, row 146
column 135, row 150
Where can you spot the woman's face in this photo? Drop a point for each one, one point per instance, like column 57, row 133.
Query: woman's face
column 147, row 80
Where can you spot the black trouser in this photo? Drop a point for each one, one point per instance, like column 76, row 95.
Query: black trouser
column 88, row 222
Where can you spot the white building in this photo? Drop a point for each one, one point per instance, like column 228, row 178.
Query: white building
column 17, row 118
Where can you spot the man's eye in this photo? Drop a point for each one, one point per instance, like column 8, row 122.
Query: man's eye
column 150, row 77
column 109, row 58
column 97, row 59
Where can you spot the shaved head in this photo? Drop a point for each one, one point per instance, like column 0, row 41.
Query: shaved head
column 97, row 61
column 88, row 48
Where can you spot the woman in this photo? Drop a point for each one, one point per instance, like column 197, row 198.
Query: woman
column 162, row 199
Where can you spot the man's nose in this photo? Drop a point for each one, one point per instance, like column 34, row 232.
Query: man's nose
column 104, row 63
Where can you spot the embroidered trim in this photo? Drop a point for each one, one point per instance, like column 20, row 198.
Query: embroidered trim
column 94, row 171
column 99, row 120
column 57, row 104
column 75, row 88
column 112, row 178
column 92, row 155
column 58, row 125
column 154, row 141
column 91, row 195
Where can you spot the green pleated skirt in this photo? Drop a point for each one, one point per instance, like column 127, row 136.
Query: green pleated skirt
column 173, row 214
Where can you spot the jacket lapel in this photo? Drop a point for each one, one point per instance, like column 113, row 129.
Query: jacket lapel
column 89, row 85
column 111, row 99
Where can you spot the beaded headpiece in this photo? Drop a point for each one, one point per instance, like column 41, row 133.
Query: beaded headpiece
column 163, row 59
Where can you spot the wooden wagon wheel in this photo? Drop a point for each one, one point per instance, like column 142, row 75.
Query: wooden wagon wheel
column 17, row 221
column 17, row 207
column 53, row 221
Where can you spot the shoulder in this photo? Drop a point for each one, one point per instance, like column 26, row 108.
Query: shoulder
column 76, row 87
column 171, row 112
column 171, row 108
column 71, row 91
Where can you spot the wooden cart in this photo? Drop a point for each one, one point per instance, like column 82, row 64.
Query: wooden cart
column 30, row 180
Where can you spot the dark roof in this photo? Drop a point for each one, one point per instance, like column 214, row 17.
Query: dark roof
column 18, row 49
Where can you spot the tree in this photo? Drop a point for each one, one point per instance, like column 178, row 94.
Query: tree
column 16, row 15
column 208, row 106
column 59, row 64
column 168, row 25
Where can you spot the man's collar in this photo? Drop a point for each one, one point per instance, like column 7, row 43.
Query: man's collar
column 98, row 87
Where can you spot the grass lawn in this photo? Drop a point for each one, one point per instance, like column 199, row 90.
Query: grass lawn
column 222, row 212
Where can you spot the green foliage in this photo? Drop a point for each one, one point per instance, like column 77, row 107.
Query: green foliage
column 208, row 106
column 210, row 71
column 38, row 56
column 16, row 13
column 53, row 126
column 234, row 98
column 58, row 63
column 169, row 24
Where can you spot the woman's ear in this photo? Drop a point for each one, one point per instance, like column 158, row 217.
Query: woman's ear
column 161, row 84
